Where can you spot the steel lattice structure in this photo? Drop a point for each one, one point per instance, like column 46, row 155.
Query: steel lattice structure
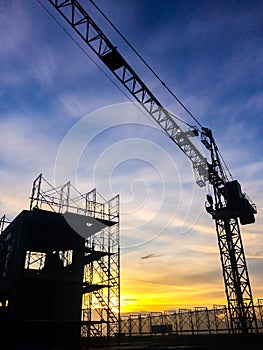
column 101, row 270
column 101, row 303
column 88, row 30
column 228, row 205
column 235, row 273
column 227, row 209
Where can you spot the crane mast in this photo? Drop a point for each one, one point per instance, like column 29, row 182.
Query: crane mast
column 228, row 205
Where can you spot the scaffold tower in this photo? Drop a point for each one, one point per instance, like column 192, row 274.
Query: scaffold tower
column 101, row 271
column 65, row 251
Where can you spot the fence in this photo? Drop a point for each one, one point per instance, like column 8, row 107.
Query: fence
column 200, row 320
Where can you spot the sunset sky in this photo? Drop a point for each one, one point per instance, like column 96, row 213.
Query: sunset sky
column 62, row 115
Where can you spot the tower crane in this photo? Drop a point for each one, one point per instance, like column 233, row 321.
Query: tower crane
column 228, row 205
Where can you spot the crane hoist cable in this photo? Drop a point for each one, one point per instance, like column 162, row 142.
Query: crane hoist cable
column 116, row 85
column 105, row 73
column 228, row 205
column 225, row 165
column 96, row 64
column 147, row 64
column 81, row 48
column 160, row 80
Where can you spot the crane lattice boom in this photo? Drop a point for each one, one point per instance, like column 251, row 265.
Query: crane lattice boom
column 83, row 24
column 228, row 205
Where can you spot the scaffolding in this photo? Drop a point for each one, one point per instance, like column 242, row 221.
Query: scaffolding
column 96, row 222
column 101, row 293
column 101, row 272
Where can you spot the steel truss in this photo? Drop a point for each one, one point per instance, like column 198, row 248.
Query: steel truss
column 101, row 300
column 101, row 270
column 227, row 214
column 87, row 29
column 235, row 273
column 239, row 296
column 260, row 311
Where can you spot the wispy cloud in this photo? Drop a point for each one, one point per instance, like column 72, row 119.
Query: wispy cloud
column 151, row 256
column 211, row 59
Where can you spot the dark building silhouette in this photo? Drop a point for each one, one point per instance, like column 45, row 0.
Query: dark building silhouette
column 43, row 293
column 47, row 262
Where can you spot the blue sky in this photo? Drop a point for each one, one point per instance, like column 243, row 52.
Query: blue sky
column 60, row 115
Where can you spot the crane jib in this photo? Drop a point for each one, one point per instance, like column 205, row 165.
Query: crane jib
column 228, row 204
column 83, row 24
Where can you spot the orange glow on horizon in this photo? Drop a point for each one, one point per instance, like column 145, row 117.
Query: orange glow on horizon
column 143, row 300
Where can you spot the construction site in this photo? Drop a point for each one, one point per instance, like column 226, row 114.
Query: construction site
column 60, row 282
column 60, row 259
